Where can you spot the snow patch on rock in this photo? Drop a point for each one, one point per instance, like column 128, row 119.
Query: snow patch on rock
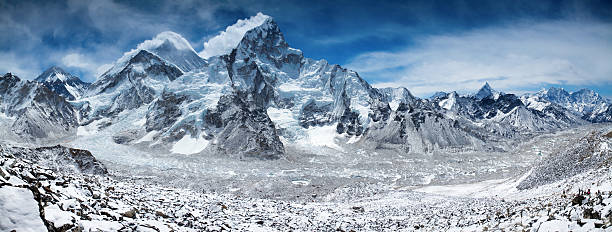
column 19, row 211
column 189, row 145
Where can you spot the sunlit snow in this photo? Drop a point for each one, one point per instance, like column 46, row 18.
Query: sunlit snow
column 228, row 39
column 188, row 145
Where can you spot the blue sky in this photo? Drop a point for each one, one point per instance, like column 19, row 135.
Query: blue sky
column 517, row 46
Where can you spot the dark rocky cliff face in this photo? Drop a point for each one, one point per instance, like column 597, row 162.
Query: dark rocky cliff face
column 245, row 129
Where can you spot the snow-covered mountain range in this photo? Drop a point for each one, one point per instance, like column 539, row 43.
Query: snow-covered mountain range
column 63, row 83
column 265, row 96
column 31, row 111
column 259, row 137
column 586, row 103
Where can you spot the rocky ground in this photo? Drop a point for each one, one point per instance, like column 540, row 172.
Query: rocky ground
column 38, row 198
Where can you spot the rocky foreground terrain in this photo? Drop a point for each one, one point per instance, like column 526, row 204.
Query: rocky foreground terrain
column 80, row 196
column 262, row 138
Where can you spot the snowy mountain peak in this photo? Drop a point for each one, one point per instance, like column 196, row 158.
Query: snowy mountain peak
column 63, row 83
column 556, row 94
column 587, row 96
column 166, row 38
column 439, row 94
column 169, row 46
column 174, row 49
column 10, row 76
column 267, row 44
column 227, row 40
column 264, row 38
column 143, row 64
column 55, row 73
column 485, row 91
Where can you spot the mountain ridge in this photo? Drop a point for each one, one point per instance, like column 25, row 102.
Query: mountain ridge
column 268, row 94
column 65, row 84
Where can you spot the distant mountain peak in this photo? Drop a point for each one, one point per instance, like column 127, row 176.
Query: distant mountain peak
column 11, row 76
column 485, row 91
column 439, row 94
column 170, row 47
column 55, row 73
column 166, row 40
column 63, row 83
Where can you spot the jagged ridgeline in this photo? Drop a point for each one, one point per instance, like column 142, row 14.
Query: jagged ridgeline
column 263, row 97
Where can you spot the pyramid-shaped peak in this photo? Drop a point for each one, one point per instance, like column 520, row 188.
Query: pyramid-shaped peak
column 485, row 91
column 55, row 73
column 557, row 90
column 486, row 86
column 55, row 69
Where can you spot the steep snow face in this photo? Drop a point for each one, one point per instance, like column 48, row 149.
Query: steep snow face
column 227, row 40
column 138, row 82
column 395, row 96
column 591, row 104
column 449, row 101
column 34, row 111
column 184, row 102
column 63, row 83
column 174, row 49
column 533, row 102
column 169, row 46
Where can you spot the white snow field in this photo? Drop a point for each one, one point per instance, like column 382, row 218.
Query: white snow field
column 336, row 186
column 361, row 196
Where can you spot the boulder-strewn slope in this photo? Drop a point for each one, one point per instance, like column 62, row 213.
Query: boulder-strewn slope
column 591, row 152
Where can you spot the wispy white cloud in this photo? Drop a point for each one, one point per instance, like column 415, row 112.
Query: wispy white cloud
column 85, row 64
column 229, row 39
column 517, row 57
column 19, row 66
column 83, row 36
